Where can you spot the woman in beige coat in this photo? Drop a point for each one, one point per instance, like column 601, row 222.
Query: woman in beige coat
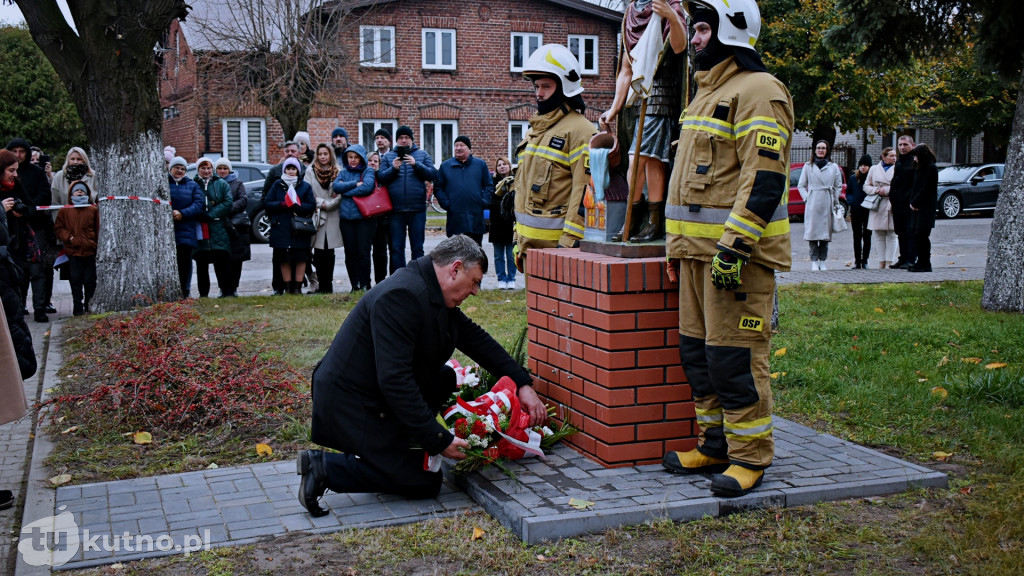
column 880, row 220
column 321, row 175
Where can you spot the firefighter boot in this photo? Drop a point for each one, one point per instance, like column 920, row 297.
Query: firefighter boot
column 634, row 224
column 736, row 481
column 693, row 462
column 654, row 228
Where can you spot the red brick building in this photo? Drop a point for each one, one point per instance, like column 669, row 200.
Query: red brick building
column 443, row 67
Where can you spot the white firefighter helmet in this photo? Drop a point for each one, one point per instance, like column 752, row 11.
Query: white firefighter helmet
column 739, row 21
column 555, row 60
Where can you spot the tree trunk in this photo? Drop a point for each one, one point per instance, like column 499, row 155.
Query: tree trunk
column 1004, row 271
column 110, row 70
column 135, row 257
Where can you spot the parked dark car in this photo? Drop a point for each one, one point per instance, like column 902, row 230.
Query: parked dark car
column 252, row 174
column 796, row 201
column 966, row 187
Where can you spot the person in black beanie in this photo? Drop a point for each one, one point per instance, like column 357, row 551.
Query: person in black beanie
column 859, row 214
column 382, row 139
column 42, row 247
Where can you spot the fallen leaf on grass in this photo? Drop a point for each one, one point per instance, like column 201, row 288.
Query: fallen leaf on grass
column 919, row 380
column 955, row 332
column 967, row 490
column 879, row 310
column 940, row 392
column 942, row 456
column 471, row 309
column 212, row 466
column 971, row 360
column 478, row 533
column 774, row 375
column 60, row 479
column 69, row 430
column 780, row 352
column 142, row 438
column 264, row 450
column 543, row 558
column 994, row 365
column 944, row 361
column 259, row 306
column 580, row 504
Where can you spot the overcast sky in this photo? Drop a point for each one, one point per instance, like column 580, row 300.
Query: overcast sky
column 12, row 15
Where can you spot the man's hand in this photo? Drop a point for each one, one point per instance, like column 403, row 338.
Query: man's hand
column 672, row 270
column 533, row 406
column 408, row 159
column 725, row 271
column 454, row 450
column 606, row 117
column 396, row 163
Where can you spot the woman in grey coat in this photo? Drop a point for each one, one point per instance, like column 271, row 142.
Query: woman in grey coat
column 328, row 233
column 821, row 182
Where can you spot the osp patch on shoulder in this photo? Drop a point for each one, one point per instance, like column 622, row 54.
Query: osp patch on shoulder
column 769, row 141
column 557, row 143
column 751, row 323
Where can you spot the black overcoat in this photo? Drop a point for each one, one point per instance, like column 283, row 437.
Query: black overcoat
column 378, row 388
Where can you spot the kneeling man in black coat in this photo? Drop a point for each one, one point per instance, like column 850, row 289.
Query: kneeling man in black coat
column 377, row 391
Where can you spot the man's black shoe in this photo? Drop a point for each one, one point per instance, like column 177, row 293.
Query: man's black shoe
column 6, row 499
column 40, row 317
column 901, row 263
column 50, row 309
column 310, row 465
column 916, row 268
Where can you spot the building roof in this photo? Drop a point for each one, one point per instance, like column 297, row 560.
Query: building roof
column 231, row 24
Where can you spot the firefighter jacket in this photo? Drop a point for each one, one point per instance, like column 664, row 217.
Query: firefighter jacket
column 554, row 169
column 729, row 189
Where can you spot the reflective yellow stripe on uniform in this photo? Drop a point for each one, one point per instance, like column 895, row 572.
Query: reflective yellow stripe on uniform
column 708, row 418
column 547, row 153
column 752, row 430
column 711, row 222
column 538, row 227
column 763, row 123
column 573, row 228
column 711, row 125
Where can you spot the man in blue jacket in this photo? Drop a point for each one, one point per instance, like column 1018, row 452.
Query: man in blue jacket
column 405, row 170
column 464, row 188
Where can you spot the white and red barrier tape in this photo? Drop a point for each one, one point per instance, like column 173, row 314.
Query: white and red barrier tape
column 143, row 198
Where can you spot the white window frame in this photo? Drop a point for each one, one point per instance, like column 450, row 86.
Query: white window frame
column 526, row 38
column 523, row 127
column 245, row 153
column 379, row 59
column 437, row 149
column 364, row 137
column 439, row 35
column 581, row 41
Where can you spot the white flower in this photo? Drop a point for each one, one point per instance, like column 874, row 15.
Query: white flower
column 475, row 440
column 547, row 431
column 470, row 379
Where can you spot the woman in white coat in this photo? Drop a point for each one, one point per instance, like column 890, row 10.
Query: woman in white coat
column 880, row 219
column 321, row 176
column 821, row 183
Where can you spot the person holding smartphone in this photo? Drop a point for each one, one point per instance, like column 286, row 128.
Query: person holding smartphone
column 405, row 170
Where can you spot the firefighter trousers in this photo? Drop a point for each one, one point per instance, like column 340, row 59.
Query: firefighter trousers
column 724, row 343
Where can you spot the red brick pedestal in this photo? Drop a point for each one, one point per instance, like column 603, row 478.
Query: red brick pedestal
column 604, row 345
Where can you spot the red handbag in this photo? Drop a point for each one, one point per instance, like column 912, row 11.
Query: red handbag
column 376, row 203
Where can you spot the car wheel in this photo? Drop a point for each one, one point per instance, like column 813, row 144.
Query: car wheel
column 950, row 205
column 261, row 227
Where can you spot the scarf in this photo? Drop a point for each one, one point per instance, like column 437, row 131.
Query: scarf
column 76, row 171
column 7, row 186
column 80, row 200
column 821, row 163
column 325, row 176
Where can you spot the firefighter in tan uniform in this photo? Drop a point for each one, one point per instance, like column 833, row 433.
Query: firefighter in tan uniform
column 554, row 159
column 727, row 232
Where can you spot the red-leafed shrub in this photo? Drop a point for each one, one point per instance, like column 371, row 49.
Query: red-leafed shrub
column 160, row 368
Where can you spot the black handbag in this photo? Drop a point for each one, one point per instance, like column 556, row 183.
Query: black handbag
column 241, row 221
column 303, row 225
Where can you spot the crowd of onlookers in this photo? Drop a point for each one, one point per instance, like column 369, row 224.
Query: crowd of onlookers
column 330, row 196
column 315, row 199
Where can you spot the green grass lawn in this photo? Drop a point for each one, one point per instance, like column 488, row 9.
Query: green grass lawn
column 916, row 370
